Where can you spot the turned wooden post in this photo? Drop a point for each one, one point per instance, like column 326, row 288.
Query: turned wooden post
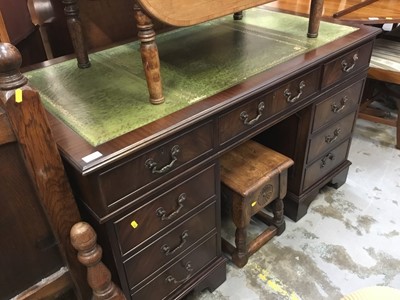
column 41, row 157
column 71, row 10
column 84, row 240
column 238, row 15
column 278, row 219
column 315, row 18
column 149, row 53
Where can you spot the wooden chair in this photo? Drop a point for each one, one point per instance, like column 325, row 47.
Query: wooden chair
column 384, row 71
column 253, row 176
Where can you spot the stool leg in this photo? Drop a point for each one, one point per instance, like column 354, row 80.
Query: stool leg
column 238, row 15
column 149, row 53
column 315, row 18
column 278, row 220
column 240, row 257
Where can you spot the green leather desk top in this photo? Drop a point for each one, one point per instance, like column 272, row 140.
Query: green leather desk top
column 110, row 98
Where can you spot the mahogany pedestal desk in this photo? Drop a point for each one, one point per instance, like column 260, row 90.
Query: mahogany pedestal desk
column 147, row 177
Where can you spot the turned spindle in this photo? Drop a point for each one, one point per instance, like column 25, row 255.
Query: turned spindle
column 71, row 11
column 238, row 15
column 10, row 62
column 315, row 18
column 149, row 53
column 84, row 240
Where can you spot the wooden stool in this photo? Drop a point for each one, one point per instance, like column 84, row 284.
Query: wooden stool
column 253, row 176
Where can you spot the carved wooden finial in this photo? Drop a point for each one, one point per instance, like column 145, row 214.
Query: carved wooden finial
column 84, row 239
column 10, row 62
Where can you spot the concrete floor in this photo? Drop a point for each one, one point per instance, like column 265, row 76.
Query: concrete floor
column 349, row 239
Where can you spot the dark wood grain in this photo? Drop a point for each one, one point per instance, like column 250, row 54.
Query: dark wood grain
column 57, row 286
column 40, row 153
column 28, row 248
column 6, row 133
column 172, row 245
column 148, row 217
column 76, row 32
column 43, row 163
column 346, row 65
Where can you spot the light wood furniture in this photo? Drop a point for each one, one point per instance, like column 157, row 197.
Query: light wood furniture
column 253, row 177
column 384, row 68
column 176, row 13
column 375, row 12
column 185, row 13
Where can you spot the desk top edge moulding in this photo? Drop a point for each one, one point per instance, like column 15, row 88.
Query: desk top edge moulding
column 177, row 13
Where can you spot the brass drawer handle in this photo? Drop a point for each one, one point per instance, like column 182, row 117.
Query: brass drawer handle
column 288, row 94
column 346, row 67
column 163, row 214
column 330, row 139
column 244, row 115
column 151, row 164
column 337, row 109
column 167, row 249
column 171, row 279
column 329, row 156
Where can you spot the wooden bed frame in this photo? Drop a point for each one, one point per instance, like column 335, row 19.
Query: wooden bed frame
column 177, row 13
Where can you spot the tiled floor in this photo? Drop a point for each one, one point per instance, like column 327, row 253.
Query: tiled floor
column 349, row 239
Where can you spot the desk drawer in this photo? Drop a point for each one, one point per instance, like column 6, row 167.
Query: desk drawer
column 337, row 106
column 167, row 208
column 331, row 136
column 155, row 166
column 346, row 65
column 172, row 244
column 256, row 111
column 179, row 273
column 325, row 164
